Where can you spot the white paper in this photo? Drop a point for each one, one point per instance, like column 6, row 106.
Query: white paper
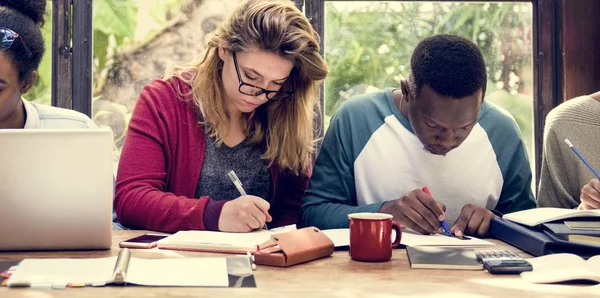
column 562, row 267
column 340, row 237
column 412, row 238
column 63, row 271
column 536, row 216
column 220, row 241
column 189, row 272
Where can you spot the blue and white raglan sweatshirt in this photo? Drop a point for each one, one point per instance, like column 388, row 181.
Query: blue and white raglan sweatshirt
column 370, row 155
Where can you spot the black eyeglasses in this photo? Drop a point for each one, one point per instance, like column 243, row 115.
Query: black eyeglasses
column 252, row 90
column 7, row 37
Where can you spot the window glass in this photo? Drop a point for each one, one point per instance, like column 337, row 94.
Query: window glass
column 135, row 41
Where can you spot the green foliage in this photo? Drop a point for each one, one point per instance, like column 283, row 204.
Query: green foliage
column 115, row 24
column 372, row 44
column 116, row 18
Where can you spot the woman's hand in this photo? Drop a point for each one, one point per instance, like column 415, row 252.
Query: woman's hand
column 590, row 196
column 244, row 214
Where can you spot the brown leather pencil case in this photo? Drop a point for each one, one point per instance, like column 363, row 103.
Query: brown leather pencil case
column 295, row 247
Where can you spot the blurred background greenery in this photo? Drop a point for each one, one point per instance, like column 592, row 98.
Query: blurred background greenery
column 367, row 47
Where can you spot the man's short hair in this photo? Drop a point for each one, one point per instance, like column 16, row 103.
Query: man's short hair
column 449, row 64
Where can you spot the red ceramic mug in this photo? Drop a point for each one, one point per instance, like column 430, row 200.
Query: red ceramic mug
column 371, row 236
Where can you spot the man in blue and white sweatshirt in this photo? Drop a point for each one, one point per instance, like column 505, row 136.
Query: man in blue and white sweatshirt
column 436, row 131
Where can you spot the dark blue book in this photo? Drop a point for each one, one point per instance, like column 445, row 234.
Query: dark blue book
column 535, row 241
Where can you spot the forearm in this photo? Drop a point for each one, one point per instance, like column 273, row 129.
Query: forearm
column 325, row 215
column 148, row 208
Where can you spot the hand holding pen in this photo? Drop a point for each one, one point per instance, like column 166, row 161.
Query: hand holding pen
column 244, row 214
column 590, row 193
column 418, row 211
column 443, row 223
column 473, row 220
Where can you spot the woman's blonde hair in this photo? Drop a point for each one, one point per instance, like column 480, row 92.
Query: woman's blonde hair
column 285, row 126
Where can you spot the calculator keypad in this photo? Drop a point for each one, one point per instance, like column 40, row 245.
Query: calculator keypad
column 483, row 255
column 503, row 262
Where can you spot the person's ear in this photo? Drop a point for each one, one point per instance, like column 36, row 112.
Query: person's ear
column 29, row 82
column 405, row 88
column 223, row 51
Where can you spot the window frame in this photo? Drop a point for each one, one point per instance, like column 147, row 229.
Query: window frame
column 72, row 55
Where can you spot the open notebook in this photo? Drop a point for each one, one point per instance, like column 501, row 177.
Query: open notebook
column 563, row 267
column 220, row 241
column 341, row 238
column 185, row 272
column 536, row 216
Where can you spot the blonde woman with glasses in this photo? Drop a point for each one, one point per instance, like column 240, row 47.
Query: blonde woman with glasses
column 247, row 106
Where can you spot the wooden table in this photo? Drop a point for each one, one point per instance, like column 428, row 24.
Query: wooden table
column 335, row 276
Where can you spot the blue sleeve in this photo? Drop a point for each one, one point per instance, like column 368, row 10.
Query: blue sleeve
column 331, row 193
column 505, row 137
column 516, row 191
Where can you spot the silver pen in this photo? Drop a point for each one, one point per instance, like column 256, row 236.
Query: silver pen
column 238, row 184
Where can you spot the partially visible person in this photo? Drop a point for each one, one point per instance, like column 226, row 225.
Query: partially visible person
column 21, row 50
column 565, row 181
column 436, row 130
column 246, row 106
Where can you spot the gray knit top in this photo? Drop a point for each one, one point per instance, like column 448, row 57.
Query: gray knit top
column 563, row 175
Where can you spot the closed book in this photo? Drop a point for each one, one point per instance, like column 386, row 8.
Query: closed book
column 537, row 242
column 562, row 230
column 584, row 239
column 431, row 257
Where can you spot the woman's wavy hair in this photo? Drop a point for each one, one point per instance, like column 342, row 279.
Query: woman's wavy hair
column 285, row 126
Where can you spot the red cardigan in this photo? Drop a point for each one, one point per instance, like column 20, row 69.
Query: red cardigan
column 161, row 162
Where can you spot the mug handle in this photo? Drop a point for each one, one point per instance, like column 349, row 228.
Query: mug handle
column 398, row 230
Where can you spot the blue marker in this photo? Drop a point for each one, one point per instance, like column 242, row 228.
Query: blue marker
column 585, row 162
column 442, row 222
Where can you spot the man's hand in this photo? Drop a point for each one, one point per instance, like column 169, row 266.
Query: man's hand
column 416, row 210
column 590, row 196
column 473, row 220
column 244, row 214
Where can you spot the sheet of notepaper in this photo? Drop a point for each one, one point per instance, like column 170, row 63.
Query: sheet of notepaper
column 188, row 272
column 341, row 237
column 64, row 271
column 412, row 238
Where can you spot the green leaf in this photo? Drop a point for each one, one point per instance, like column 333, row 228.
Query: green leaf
column 116, row 17
column 101, row 48
column 476, row 20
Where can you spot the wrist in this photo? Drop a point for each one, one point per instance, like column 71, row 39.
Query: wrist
column 212, row 214
column 385, row 207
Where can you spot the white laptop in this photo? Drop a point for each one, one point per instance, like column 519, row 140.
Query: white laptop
column 56, row 189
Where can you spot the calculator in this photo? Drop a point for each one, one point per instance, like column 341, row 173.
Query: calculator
column 502, row 261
